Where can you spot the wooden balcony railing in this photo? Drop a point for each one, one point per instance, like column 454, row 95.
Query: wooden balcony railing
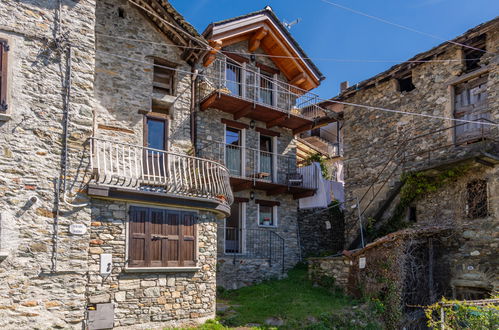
column 135, row 167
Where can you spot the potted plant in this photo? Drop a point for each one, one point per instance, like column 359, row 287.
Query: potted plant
column 266, row 221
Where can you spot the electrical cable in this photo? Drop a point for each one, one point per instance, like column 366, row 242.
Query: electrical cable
column 404, row 27
column 319, row 98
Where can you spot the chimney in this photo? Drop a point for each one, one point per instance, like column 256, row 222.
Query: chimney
column 343, row 86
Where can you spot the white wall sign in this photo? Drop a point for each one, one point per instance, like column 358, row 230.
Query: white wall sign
column 362, row 262
column 328, row 225
column 77, row 229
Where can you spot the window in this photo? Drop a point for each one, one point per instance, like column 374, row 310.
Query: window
column 470, row 103
column 472, row 56
column 405, row 83
column 161, row 238
column 476, row 199
column 233, row 152
column 412, row 214
column 266, row 88
column 4, row 48
column 156, row 132
column 163, row 78
column 233, row 78
column 267, row 213
column 266, row 157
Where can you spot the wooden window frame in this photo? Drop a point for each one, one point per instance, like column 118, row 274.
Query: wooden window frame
column 162, row 62
column 155, row 116
column 183, row 265
column 274, row 205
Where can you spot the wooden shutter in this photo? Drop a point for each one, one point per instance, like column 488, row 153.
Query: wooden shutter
column 173, row 232
column 158, row 243
column 188, row 239
column 4, row 47
column 162, row 238
column 139, row 237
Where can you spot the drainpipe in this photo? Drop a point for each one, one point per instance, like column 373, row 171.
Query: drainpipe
column 194, row 75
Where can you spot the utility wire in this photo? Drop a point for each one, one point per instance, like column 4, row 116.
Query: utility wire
column 296, row 88
column 318, row 98
column 293, row 57
column 403, row 26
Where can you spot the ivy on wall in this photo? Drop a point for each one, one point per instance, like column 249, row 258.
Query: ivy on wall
column 415, row 186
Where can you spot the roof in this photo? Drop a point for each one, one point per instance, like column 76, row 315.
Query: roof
column 270, row 13
column 409, row 64
column 180, row 20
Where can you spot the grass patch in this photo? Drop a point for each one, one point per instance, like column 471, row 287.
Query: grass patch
column 294, row 300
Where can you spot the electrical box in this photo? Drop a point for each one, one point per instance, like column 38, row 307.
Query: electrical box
column 102, row 317
column 106, row 263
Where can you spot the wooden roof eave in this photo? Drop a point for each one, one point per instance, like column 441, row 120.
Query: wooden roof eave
column 229, row 37
column 172, row 33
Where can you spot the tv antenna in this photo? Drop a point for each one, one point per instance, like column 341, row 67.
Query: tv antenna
column 290, row 24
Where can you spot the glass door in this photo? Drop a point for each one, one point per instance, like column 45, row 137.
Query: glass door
column 155, row 160
column 233, row 230
column 266, row 161
column 233, row 78
column 233, row 151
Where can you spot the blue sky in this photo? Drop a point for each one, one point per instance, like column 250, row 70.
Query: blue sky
column 326, row 31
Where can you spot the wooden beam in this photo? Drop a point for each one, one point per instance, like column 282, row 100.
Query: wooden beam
column 298, row 79
column 242, row 186
column 208, row 102
column 234, row 124
column 244, row 111
column 277, row 191
column 302, row 128
column 276, row 121
column 256, row 38
column 216, row 45
column 241, row 199
column 267, row 132
column 304, row 194
column 267, row 202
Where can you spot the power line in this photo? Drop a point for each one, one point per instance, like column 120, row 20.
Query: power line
column 293, row 57
column 305, row 91
column 321, row 99
column 403, row 26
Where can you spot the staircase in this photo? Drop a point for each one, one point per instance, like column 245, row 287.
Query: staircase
column 387, row 185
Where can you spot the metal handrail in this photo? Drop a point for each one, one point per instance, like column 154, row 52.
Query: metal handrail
column 405, row 156
column 131, row 166
column 260, row 89
column 246, row 162
column 253, row 243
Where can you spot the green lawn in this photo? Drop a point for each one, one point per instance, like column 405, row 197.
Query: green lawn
column 296, row 303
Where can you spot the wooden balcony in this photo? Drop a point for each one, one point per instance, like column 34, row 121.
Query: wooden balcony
column 243, row 93
column 137, row 173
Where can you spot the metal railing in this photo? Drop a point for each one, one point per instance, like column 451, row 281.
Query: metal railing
column 137, row 167
column 245, row 83
column 411, row 154
column 260, row 243
column 257, row 165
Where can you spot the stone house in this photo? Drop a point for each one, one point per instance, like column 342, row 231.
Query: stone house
column 124, row 134
column 107, row 219
column 251, row 107
column 429, row 173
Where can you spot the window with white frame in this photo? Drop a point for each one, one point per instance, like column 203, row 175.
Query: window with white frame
column 267, row 213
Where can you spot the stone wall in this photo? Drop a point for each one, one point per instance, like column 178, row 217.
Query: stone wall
column 321, row 231
column 337, row 268
column 44, row 275
column 254, row 268
column 143, row 299
column 371, row 137
column 124, row 74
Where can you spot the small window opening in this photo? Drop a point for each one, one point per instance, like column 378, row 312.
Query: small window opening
column 163, row 78
column 477, row 199
column 472, row 56
column 412, row 214
column 405, row 83
column 121, row 12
